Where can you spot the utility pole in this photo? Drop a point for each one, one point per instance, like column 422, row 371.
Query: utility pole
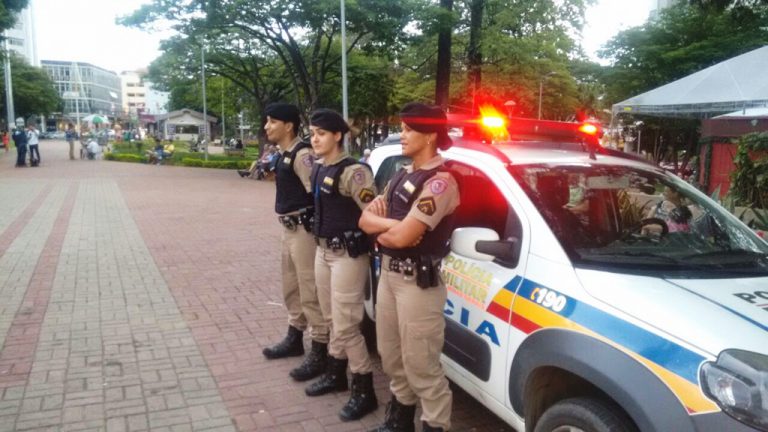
column 205, row 107
column 344, row 95
column 11, row 114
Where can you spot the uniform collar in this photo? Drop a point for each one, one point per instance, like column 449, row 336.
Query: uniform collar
column 293, row 145
column 430, row 164
column 343, row 155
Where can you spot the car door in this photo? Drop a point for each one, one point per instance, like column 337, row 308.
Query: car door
column 481, row 288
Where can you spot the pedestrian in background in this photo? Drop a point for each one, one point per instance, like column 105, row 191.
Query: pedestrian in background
column 20, row 140
column 294, row 206
column 412, row 219
column 71, row 136
column 6, row 140
column 342, row 187
column 33, row 140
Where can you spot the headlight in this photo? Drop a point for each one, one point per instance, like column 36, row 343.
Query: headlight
column 738, row 382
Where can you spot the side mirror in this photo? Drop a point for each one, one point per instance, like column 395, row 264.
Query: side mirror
column 483, row 244
column 464, row 242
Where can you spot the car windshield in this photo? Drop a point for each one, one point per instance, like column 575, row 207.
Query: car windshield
column 626, row 219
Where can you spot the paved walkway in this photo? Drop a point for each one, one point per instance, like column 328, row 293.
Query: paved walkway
column 138, row 298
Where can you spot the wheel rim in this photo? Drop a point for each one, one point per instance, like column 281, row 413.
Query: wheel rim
column 567, row 428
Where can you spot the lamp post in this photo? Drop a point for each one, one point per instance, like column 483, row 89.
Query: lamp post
column 541, row 88
column 8, row 85
column 205, row 107
column 344, row 96
column 639, row 134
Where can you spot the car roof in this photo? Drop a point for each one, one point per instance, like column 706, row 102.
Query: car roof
column 533, row 152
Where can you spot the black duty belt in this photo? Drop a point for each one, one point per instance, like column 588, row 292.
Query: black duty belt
column 332, row 243
column 289, row 222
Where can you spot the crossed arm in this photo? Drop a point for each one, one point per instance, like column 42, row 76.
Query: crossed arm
column 392, row 233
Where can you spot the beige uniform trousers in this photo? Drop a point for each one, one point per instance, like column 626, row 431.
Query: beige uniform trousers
column 410, row 329
column 299, row 292
column 340, row 283
column 71, row 149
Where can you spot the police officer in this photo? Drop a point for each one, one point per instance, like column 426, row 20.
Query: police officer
column 294, row 206
column 342, row 187
column 413, row 221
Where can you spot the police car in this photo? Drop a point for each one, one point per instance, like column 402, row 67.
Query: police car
column 589, row 291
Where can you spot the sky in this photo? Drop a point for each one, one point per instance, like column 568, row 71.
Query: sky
column 85, row 30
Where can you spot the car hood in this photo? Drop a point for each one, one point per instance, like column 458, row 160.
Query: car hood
column 709, row 314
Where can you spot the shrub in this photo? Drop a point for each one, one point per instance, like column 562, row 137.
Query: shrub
column 119, row 157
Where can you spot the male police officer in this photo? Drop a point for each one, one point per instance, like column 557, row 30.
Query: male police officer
column 294, row 206
column 413, row 221
column 342, row 188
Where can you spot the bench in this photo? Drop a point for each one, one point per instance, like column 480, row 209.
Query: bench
column 234, row 152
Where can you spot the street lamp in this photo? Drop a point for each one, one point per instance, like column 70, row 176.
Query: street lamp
column 205, row 107
column 639, row 134
column 541, row 88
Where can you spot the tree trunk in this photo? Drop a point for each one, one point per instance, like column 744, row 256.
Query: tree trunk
column 443, row 79
column 474, row 55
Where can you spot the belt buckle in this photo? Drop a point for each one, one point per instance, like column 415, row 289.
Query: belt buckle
column 335, row 244
column 288, row 223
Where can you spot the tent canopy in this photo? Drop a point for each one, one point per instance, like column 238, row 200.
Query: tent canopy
column 735, row 84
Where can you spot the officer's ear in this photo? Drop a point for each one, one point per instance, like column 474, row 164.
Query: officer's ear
column 339, row 137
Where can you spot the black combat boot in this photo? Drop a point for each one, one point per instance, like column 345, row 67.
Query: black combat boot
column 291, row 346
column 314, row 363
column 362, row 400
column 399, row 418
column 425, row 427
column 334, row 379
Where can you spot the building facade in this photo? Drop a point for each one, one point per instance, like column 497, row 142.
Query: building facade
column 22, row 38
column 139, row 96
column 85, row 88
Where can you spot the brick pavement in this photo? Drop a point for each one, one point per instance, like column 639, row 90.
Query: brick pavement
column 139, row 297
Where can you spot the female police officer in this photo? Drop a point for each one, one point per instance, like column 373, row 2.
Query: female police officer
column 342, row 187
column 413, row 221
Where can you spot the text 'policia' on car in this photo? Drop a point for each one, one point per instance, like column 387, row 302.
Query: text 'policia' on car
column 590, row 289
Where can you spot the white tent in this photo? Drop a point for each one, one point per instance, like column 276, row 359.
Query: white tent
column 735, row 84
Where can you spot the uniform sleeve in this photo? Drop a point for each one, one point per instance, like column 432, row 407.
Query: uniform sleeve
column 302, row 166
column 357, row 182
column 439, row 197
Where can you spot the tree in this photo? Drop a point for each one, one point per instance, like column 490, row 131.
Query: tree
column 300, row 35
column 8, row 11
column 684, row 39
column 33, row 90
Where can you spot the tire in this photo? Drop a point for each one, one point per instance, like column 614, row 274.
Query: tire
column 584, row 415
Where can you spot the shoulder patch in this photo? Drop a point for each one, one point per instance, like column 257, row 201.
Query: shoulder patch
column 366, row 195
column 438, row 186
column 358, row 176
column 427, row 206
column 307, row 160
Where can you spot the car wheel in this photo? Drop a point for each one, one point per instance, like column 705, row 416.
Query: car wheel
column 584, row 415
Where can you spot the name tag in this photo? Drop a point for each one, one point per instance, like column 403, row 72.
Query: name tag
column 328, row 181
column 409, row 186
column 287, row 160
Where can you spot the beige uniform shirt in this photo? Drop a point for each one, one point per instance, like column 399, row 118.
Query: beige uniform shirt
column 439, row 196
column 302, row 166
column 356, row 181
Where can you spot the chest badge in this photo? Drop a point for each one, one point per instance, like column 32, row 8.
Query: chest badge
column 409, row 186
column 286, row 160
column 328, row 181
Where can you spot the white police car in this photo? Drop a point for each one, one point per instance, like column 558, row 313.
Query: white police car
column 588, row 291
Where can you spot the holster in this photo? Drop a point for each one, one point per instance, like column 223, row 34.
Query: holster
column 356, row 243
column 427, row 271
column 306, row 218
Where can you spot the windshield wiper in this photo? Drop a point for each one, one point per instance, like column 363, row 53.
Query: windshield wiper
column 647, row 256
column 725, row 254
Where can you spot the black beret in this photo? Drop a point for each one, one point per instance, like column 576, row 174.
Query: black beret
column 284, row 112
column 329, row 120
column 427, row 119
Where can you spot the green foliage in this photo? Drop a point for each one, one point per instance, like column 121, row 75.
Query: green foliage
column 120, row 157
column 222, row 164
column 8, row 11
column 749, row 180
column 684, row 39
column 33, row 90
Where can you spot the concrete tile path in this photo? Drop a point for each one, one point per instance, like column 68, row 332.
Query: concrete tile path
column 139, row 298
